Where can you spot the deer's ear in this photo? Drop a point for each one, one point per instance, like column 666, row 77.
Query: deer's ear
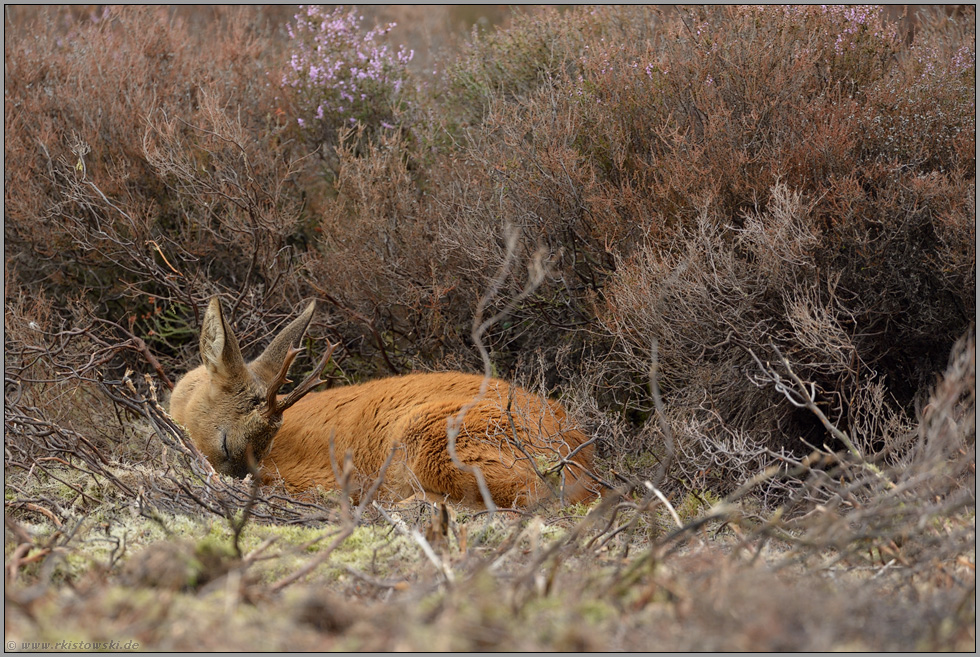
column 219, row 347
column 267, row 366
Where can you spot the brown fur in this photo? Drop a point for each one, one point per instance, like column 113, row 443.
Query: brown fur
column 217, row 404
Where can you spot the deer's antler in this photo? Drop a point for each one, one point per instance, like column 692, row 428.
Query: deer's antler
column 274, row 407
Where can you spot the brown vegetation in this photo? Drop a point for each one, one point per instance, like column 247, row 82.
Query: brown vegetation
column 737, row 243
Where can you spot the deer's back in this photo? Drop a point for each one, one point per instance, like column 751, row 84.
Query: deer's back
column 412, row 413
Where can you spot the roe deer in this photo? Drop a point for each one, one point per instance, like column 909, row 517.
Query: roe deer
column 232, row 412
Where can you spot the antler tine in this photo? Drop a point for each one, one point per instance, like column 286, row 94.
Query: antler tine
column 310, row 382
column 270, row 400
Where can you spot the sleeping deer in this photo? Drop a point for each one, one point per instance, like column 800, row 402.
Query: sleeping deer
column 522, row 445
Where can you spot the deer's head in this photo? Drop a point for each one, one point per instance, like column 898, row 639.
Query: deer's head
column 230, row 408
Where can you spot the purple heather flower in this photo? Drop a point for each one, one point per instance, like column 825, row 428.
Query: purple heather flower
column 332, row 58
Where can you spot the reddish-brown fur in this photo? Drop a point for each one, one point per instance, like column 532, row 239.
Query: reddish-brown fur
column 506, row 431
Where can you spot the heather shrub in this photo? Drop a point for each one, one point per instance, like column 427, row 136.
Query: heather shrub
column 342, row 75
column 538, row 46
column 376, row 261
column 728, row 183
column 720, row 161
column 923, row 112
column 712, row 171
column 148, row 169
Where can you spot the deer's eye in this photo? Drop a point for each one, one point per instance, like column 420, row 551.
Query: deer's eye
column 256, row 402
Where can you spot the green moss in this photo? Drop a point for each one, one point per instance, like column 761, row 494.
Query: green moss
column 372, row 547
column 641, row 461
column 581, row 509
column 695, row 504
column 595, row 611
column 291, row 535
column 488, row 533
